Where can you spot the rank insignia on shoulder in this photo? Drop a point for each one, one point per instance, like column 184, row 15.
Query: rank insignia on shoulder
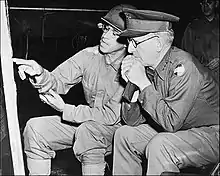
column 179, row 70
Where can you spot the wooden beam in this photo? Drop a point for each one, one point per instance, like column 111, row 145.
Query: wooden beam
column 9, row 88
column 57, row 9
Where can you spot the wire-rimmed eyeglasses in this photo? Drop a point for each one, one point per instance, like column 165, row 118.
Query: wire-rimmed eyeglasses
column 105, row 28
column 136, row 43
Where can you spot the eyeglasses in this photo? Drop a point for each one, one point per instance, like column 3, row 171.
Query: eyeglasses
column 136, row 43
column 105, row 28
column 206, row 2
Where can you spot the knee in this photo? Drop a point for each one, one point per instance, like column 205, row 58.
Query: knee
column 158, row 143
column 30, row 127
column 35, row 139
column 88, row 135
column 89, row 142
column 123, row 135
column 33, row 127
column 86, row 130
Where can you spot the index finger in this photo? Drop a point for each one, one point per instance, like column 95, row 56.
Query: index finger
column 22, row 61
column 52, row 93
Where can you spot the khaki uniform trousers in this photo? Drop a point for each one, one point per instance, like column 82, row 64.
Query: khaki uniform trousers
column 164, row 151
column 91, row 141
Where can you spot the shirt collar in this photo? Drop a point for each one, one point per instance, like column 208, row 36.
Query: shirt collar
column 117, row 62
column 216, row 18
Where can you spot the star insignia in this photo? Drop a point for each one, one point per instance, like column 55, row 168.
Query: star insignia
column 179, row 70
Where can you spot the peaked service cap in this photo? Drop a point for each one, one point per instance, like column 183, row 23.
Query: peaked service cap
column 142, row 22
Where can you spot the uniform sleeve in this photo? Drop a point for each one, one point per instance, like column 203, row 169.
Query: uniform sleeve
column 65, row 76
column 108, row 114
column 171, row 111
column 188, row 40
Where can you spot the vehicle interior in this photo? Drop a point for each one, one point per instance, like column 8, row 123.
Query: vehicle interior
column 49, row 32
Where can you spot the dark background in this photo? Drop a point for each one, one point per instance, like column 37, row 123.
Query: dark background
column 70, row 23
column 50, row 37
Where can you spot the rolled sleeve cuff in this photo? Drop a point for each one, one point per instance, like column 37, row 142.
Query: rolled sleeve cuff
column 68, row 113
column 40, row 81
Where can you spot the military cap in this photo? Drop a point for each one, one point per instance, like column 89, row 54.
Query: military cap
column 141, row 22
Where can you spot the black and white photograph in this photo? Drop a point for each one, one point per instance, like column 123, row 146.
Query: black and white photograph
column 103, row 88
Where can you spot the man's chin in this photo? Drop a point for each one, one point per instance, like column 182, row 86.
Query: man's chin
column 103, row 49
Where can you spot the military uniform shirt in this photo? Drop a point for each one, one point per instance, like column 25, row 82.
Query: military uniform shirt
column 183, row 95
column 100, row 83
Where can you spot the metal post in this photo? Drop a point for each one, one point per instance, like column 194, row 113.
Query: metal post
column 9, row 88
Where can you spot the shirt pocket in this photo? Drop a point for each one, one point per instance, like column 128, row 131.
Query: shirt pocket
column 89, row 93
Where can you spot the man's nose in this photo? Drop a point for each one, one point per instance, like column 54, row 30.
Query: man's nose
column 107, row 33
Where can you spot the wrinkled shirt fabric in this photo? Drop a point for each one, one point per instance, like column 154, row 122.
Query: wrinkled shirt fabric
column 100, row 82
column 184, row 101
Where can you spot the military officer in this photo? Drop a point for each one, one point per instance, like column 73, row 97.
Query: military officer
column 182, row 98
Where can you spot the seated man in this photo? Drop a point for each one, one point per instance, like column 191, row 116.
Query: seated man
column 181, row 97
column 93, row 124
